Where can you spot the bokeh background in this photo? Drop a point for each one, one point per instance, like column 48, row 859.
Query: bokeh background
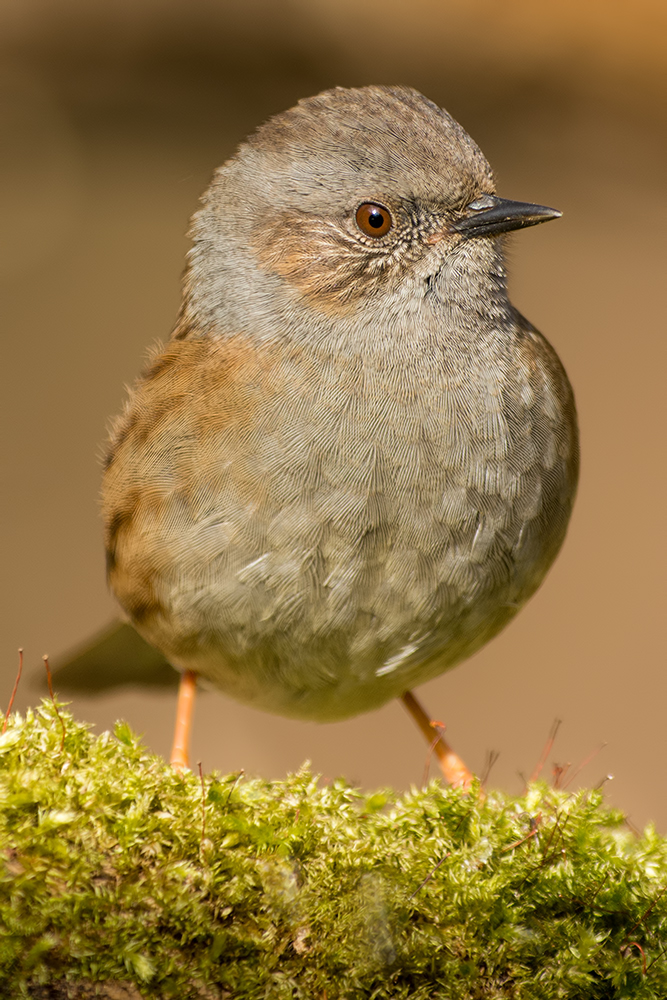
column 113, row 115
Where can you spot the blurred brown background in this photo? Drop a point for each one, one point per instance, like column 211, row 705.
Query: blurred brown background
column 113, row 116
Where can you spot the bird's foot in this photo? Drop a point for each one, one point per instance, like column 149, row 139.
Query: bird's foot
column 179, row 759
column 453, row 769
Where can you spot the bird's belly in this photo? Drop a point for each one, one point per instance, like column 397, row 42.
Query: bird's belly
column 335, row 603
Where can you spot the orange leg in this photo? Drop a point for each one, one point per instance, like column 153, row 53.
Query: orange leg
column 453, row 769
column 184, row 710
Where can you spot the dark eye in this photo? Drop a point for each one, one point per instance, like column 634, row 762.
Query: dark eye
column 373, row 219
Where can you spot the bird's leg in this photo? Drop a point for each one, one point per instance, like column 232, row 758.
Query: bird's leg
column 453, row 769
column 184, row 710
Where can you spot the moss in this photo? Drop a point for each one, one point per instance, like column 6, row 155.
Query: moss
column 115, row 870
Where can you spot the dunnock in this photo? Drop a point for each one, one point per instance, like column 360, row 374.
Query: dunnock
column 354, row 460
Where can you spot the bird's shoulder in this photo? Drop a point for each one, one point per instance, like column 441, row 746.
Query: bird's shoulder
column 192, row 384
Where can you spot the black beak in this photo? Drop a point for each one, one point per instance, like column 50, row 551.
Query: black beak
column 490, row 215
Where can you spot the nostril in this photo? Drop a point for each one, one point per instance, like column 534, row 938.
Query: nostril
column 484, row 201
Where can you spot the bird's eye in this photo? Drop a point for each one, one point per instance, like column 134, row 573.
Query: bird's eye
column 374, row 220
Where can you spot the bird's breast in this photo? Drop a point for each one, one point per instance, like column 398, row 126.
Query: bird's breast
column 276, row 496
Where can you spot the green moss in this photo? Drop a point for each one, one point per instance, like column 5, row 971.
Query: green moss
column 115, row 868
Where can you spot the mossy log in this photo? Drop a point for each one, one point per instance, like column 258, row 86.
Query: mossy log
column 120, row 878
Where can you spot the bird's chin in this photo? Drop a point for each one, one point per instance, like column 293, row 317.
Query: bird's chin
column 471, row 272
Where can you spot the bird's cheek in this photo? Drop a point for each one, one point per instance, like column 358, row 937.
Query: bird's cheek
column 314, row 260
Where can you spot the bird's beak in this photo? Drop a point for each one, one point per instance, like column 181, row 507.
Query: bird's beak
column 489, row 215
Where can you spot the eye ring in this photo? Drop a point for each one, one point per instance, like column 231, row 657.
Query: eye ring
column 373, row 219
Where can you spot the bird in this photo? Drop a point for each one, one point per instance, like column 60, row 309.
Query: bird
column 354, row 460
